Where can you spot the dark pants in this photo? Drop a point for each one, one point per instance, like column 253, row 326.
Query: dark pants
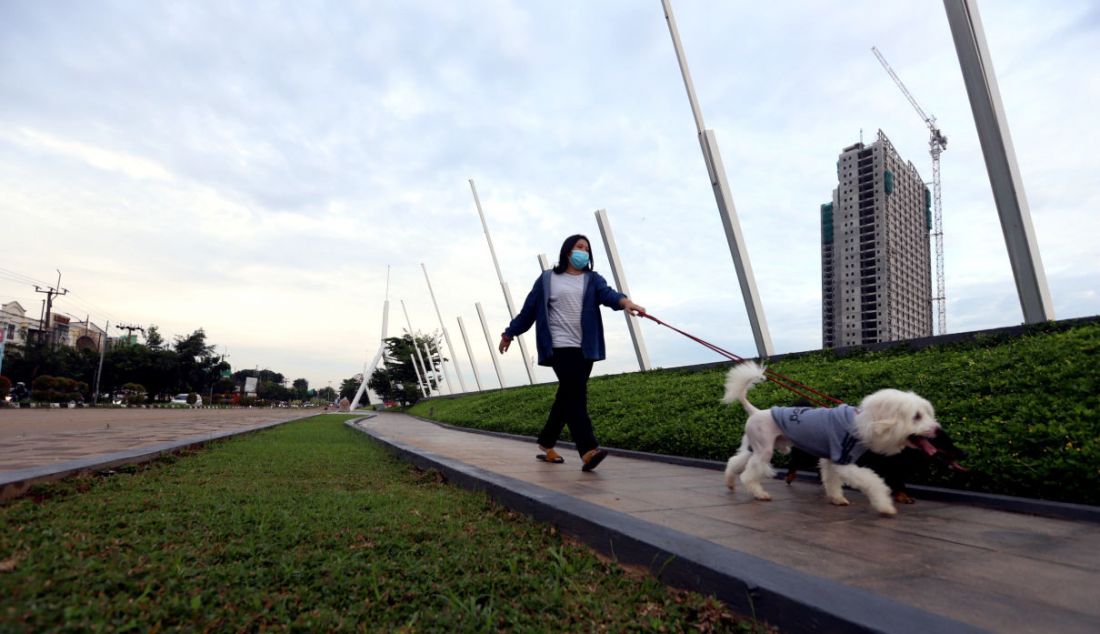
column 571, row 402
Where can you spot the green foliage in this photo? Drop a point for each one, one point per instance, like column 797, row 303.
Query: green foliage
column 56, row 389
column 1026, row 408
column 134, row 393
column 309, row 527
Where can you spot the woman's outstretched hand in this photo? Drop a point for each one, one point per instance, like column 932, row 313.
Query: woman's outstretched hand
column 505, row 341
column 632, row 308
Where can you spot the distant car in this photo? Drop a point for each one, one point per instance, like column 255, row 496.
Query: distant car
column 181, row 399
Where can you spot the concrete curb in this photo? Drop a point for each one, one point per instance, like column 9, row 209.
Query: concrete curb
column 789, row 599
column 1028, row 506
column 16, row 483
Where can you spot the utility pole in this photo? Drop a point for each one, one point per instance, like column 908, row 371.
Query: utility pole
column 50, row 293
column 99, row 370
column 130, row 328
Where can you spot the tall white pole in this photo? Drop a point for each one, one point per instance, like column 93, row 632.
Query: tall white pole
column 431, row 371
column 503, row 284
column 421, row 382
column 412, row 335
column 726, row 210
column 620, row 282
column 434, row 345
column 544, row 263
column 1000, row 160
column 489, row 340
column 446, row 336
column 469, row 353
column 368, row 368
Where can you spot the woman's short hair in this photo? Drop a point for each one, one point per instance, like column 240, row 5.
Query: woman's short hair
column 567, row 250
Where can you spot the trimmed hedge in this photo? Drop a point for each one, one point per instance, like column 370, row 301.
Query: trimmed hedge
column 1026, row 407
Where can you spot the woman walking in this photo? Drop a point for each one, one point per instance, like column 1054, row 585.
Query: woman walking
column 564, row 306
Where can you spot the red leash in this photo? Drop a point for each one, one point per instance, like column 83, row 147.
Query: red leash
column 820, row 398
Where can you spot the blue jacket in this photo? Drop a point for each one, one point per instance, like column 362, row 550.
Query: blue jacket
column 536, row 310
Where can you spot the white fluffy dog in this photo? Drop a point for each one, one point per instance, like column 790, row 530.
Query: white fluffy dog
column 884, row 423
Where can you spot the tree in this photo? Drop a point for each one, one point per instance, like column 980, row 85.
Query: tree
column 153, row 339
column 350, row 386
column 198, row 365
column 300, row 388
column 398, row 380
column 327, row 394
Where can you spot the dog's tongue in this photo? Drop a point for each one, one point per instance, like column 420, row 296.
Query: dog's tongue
column 954, row 464
column 926, row 446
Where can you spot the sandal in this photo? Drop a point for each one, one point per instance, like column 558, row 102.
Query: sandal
column 593, row 458
column 550, row 456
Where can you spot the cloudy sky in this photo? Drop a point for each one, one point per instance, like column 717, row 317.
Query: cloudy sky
column 252, row 168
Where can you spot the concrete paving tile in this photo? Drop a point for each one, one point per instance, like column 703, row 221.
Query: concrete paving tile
column 1038, row 538
column 691, row 523
column 1050, row 583
column 682, row 498
column 618, row 502
column 870, row 540
column 803, row 556
column 641, row 481
column 979, row 605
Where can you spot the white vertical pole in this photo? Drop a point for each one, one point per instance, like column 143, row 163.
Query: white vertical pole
column 421, row 382
column 433, row 345
column 415, row 347
column 368, row 369
column 489, row 340
column 503, row 284
column 544, row 263
column 620, row 282
column 446, row 336
column 469, row 353
column 1000, row 159
column 429, row 368
column 726, row 210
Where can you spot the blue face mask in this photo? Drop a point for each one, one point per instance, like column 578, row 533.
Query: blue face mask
column 579, row 259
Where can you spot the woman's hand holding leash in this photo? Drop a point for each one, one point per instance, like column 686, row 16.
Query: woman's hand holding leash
column 632, row 308
column 505, row 341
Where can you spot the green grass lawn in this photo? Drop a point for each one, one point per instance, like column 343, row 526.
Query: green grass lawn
column 309, row 527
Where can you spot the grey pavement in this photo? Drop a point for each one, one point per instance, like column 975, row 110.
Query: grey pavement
column 996, row 570
column 38, row 438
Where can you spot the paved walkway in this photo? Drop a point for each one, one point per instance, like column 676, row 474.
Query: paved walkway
column 1000, row 571
column 41, row 437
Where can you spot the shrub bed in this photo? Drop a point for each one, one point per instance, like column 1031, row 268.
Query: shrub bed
column 1026, row 407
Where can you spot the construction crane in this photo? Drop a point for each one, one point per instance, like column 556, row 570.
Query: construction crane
column 937, row 143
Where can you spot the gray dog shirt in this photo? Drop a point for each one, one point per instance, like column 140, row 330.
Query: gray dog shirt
column 825, row 432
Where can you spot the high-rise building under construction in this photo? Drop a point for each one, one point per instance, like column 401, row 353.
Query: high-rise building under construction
column 876, row 280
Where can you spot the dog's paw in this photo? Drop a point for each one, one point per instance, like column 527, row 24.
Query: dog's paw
column 888, row 511
column 839, row 501
column 763, row 496
column 901, row 497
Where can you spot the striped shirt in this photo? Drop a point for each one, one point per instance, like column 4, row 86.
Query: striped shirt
column 566, row 295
